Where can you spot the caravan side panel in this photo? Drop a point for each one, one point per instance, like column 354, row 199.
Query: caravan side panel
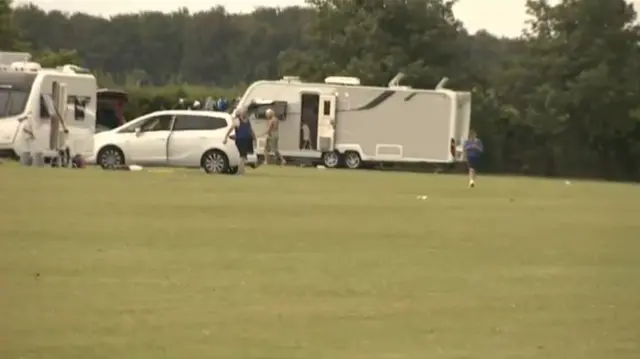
column 396, row 125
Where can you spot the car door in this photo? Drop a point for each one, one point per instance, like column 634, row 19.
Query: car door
column 191, row 136
column 148, row 145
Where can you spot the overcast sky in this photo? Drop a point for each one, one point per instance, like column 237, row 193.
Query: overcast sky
column 501, row 17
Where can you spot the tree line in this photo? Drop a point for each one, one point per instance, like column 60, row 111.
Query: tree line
column 560, row 100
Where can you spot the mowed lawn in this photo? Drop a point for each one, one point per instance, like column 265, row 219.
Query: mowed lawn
column 313, row 264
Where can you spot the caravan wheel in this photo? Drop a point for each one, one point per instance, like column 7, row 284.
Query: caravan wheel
column 352, row 159
column 331, row 159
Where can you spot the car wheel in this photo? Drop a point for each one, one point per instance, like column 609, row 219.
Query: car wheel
column 110, row 158
column 215, row 161
column 331, row 159
column 352, row 159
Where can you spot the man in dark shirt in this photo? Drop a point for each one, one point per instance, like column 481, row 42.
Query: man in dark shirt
column 244, row 137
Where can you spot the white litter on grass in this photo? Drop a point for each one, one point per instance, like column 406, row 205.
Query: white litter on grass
column 422, row 198
column 321, row 167
column 135, row 168
column 568, row 183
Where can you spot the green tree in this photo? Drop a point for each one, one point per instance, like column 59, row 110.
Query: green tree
column 582, row 83
column 9, row 35
column 53, row 59
column 373, row 40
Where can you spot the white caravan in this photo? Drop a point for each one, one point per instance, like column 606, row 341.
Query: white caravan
column 341, row 122
column 30, row 96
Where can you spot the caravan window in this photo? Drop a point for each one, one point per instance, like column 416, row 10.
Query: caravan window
column 259, row 110
column 15, row 88
column 79, row 105
column 12, row 102
column 44, row 111
column 326, row 110
column 4, row 102
column 47, row 108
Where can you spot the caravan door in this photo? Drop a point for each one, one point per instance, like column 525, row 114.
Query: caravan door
column 326, row 123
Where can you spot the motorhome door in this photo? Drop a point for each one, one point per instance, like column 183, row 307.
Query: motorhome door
column 326, row 123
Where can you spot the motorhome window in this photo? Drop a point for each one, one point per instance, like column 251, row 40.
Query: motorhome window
column 12, row 102
column 17, row 102
column 22, row 81
column 326, row 110
column 4, row 101
column 44, row 112
column 49, row 110
column 259, row 111
column 158, row 123
column 199, row 123
column 79, row 104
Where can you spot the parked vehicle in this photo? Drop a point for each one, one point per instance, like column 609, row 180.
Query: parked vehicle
column 340, row 122
column 34, row 100
column 174, row 138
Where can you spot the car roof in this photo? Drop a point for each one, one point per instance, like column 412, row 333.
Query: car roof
column 192, row 113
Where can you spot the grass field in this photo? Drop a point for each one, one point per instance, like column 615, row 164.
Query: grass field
column 311, row 264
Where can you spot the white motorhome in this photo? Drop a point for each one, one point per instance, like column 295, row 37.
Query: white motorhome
column 342, row 122
column 28, row 100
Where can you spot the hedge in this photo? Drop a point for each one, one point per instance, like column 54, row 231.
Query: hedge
column 148, row 99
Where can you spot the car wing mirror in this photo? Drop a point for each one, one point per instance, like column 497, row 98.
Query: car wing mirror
column 138, row 131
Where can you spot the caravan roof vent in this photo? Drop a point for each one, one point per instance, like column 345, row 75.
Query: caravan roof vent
column 342, row 80
column 26, row 66
column 290, row 78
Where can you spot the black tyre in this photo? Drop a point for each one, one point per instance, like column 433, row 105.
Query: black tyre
column 331, row 159
column 352, row 159
column 215, row 161
column 110, row 158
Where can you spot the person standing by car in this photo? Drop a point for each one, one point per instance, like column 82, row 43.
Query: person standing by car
column 244, row 137
column 272, row 138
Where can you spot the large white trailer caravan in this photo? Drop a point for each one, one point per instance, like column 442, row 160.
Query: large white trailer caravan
column 341, row 122
column 32, row 97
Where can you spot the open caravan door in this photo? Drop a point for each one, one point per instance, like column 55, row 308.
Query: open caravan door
column 58, row 110
column 326, row 123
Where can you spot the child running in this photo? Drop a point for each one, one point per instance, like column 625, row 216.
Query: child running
column 473, row 149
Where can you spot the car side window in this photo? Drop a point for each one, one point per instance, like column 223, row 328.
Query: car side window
column 157, row 123
column 199, row 123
